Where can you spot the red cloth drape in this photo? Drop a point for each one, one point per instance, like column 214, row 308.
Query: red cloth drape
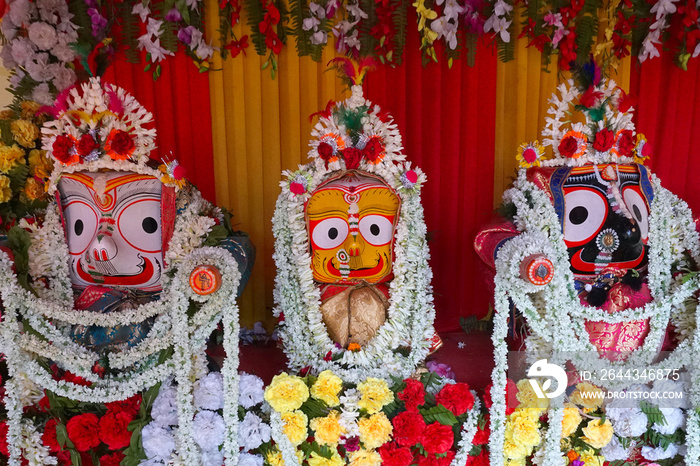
column 447, row 120
column 179, row 101
column 668, row 113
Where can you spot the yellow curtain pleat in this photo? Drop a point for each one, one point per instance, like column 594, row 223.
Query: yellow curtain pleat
column 523, row 91
column 260, row 127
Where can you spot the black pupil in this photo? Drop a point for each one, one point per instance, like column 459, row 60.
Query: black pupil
column 374, row 229
column 637, row 213
column 149, row 225
column 578, row 215
column 78, row 227
column 333, row 233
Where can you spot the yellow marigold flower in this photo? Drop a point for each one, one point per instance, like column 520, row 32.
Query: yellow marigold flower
column 327, row 388
column 529, row 399
column 375, row 430
column 588, row 396
column 29, row 109
column 526, row 428
column 295, row 426
column 596, row 434
column 328, row 429
column 286, row 393
column 516, row 462
column 25, row 132
column 10, row 157
column 40, row 164
column 33, row 189
column 591, row 459
column 5, row 191
column 514, row 451
column 7, row 115
column 364, row 457
column 375, row 395
column 572, row 419
column 317, row 460
column 274, row 458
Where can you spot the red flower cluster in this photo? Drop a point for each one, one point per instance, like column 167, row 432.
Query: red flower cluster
column 373, row 152
column 604, row 140
column 568, row 146
column 408, row 428
column 384, row 30
column 119, row 145
column 86, row 144
column 625, row 143
column 456, row 397
column 567, row 50
column 266, row 26
column 413, row 395
column 621, row 34
column 64, row 150
column 395, row 456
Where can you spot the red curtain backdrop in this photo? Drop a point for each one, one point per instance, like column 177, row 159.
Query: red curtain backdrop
column 447, row 121
column 668, row 113
column 179, row 101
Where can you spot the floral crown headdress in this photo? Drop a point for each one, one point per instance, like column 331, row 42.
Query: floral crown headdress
column 354, row 135
column 607, row 134
column 100, row 126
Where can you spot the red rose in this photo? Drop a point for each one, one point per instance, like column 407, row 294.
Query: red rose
column 62, row 150
column 64, row 458
column 3, row 438
column 481, row 460
column 129, row 406
column 373, row 149
column 352, row 158
column 49, row 436
column 408, row 428
column 86, row 144
column 119, row 145
column 413, row 395
column 325, row 151
column 455, row 397
column 590, row 97
column 393, row 456
column 437, row 438
column 83, row 431
column 625, row 143
column 112, row 460
column 568, row 146
column 604, row 140
column 113, row 429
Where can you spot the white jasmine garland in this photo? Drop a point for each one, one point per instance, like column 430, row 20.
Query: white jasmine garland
column 469, row 430
column 277, row 434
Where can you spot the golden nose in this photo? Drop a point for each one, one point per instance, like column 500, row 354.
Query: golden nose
column 354, row 250
column 354, row 246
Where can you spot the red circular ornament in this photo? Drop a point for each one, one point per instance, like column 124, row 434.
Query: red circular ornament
column 411, row 176
column 179, row 172
column 529, row 155
column 537, row 269
column 205, row 279
column 297, row 188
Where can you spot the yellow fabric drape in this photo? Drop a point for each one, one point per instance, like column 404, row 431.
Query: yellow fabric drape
column 261, row 127
column 523, row 91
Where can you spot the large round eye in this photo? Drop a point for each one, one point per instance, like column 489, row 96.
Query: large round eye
column 81, row 225
column 638, row 207
column 139, row 225
column 586, row 211
column 376, row 230
column 330, row 233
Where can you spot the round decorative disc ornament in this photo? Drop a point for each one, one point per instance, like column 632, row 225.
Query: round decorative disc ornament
column 205, row 280
column 538, row 270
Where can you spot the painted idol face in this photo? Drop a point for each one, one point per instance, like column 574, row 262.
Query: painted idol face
column 351, row 226
column 606, row 217
column 112, row 223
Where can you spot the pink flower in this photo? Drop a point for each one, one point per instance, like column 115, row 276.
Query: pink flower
column 443, row 370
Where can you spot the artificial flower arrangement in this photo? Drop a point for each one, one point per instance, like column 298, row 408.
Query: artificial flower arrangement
column 598, row 258
column 324, row 420
column 351, row 250
column 74, row 334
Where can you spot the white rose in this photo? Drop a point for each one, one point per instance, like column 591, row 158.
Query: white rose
column 209, row 392
column 246, row 459
column 208, row 428
column 213, row 458
column 43, row 35
column 653, row 454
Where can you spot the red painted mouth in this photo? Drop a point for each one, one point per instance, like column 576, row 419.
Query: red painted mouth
column 359, row 273
column 140, row 278
column 580, row 265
